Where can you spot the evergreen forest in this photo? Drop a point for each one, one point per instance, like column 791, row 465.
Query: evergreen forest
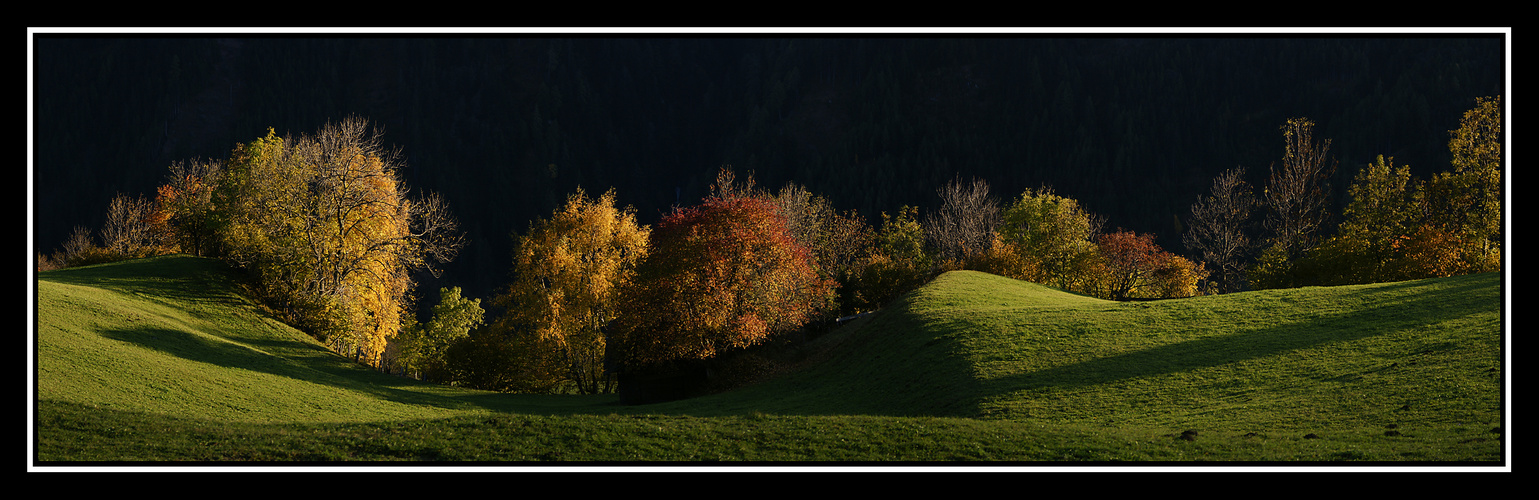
column 424, row 204
column 505, row 127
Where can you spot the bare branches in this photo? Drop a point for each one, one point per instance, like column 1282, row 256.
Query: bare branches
column 964, row 225
column 78, row 244
column 1219, row 226
column 726, row 186
column 127, row 228
column 436, row 231
column 327, row 226
column 1296, row 192
column 835, row 239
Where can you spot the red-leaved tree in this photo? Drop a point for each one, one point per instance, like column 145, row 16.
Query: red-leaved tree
column 1136, row 267
column 722, row 275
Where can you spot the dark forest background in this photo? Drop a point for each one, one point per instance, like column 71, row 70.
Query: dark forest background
column 1135, row 128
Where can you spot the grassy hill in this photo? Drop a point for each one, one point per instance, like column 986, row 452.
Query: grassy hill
column 163, row 360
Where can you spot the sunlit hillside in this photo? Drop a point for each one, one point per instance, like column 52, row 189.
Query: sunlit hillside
column 162, row 359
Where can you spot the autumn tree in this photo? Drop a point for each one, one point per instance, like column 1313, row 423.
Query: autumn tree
column 1477, row 144
column 1467, row 202
column 1388, row 233
column 837, row 240
column 1136, row 267
column 1381, row 215
column 329, row 234
column 898, row 262
column 186, row 202
column 1179, row 278
column 568, row 273
column 1398, row 228
column 964, row 224
column 1052, row 236
column 722, row 275
column 902, row 238
column 1219, row 227
column 424, row 347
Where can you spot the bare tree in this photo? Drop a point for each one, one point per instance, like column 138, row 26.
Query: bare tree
column 127, row 229
column 1297, row 194
column 727, row 187
column 1219, row 227
column 436, row 232
column 75, row 248
column 964, row 224
column 837, row 240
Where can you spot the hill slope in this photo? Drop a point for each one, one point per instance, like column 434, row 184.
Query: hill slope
column 972, row 366
column 172, row 335
column 981, row 346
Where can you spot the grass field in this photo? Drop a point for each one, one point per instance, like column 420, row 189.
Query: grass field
column 162, row 361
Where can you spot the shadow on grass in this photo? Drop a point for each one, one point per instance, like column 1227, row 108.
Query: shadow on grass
column 883, row 365
column 310, row 363
column 1387, row 308
column 902, row 363
column 198, row 282
column 179, row 277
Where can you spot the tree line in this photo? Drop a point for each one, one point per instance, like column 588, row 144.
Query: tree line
column 330, row 238
column 1395, row 226
column 508, row 126
column 322, row 226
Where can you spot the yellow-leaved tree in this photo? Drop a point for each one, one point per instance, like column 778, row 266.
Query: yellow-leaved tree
column 329, row 235
column 1398, row 228
column 1468, row 200
column 567, row 273
column 1053, row 238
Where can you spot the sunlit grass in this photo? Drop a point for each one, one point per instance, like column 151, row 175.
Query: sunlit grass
column 162, row 360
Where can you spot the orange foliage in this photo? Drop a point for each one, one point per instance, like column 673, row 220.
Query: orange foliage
column 1430, row 252
column 723, row 275
column 1136, row 267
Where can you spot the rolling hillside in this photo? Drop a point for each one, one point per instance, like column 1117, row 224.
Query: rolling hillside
column 172, row 335
column 981, row 346
column 970, row 367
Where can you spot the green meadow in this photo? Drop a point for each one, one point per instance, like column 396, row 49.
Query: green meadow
column 164, row 361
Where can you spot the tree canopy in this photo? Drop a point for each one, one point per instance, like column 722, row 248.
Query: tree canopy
column 721, row 275
column 328, row 233
column 569, row 271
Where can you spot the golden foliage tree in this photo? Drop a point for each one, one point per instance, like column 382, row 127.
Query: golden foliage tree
column 186, row 202
column 1468, row 200
column 897, row 263
column 329, row 234
column 1396, row 228
column 1052, row 236
column 1370, row 245
column 568, row 271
